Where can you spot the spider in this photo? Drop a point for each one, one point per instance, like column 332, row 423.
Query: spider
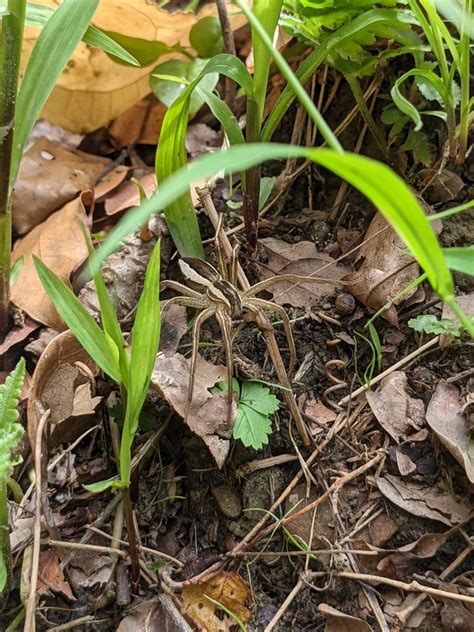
column 217, row 296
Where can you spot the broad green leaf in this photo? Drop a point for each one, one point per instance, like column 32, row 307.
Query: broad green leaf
column 382, row 186
column 206, row 38
column 405, row 105
column 251, row 427
column 460, row 259
column 258, row 397
column 310, row 65
column 167, row 91
column 51, row 52
column 37, row 16
column 79, row 321
column 11, row 430
column 144, row 347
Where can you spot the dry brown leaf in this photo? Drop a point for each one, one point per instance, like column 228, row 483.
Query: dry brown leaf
column 228, row 589
column 444, row 416
column 110, row 182
column 155, row 615
column 208, row 413
column 302, row 259
column 140, row 124
column 51, row 575
column 49, row 177
column 60, row 244
column 425, row 501
column 93, row 90
column 89, row 571
column 58, row 385
column 337, row 621
column 201, row 139
column 173, row 328
column 127, row 194
column 383, row 271
column 397, row 412
column 456, row 617
column 18, row 334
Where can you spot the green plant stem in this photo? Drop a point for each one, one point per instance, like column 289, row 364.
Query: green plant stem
column 461, row 316
column 465, row 78
column 366, row 114
column 5, row 541
column 11, row 36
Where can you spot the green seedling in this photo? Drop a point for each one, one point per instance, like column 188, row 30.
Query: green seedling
column 255, row 404
column 130, row 368
column 62, row 30
column 430, row 324
column 11, row 433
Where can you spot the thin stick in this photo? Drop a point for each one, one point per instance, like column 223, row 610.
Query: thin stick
column 229, row 47
column 285, row 605
column 30, row 623
column 394, row 367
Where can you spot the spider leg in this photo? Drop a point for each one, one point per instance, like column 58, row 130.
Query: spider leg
column 290, row 278
column 180, row 288
column 186, row 301
column 260, row 303
column 225, row 324
column 200, row 319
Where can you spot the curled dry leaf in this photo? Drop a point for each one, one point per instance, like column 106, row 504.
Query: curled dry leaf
column 383, row 270
column 94, row 89
column 337, row 621
column 51, row 575
column 60, row 244
column 445, row 418
column 425, row 501
column 49, row 177
column 397, row 412
column 302, row 259
column 229, row 590
column 208, row 412
column 59, row 386
column 155, row 615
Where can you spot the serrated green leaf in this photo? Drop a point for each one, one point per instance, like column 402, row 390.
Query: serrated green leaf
column 251, row 427
column 417, row 142
column 258, row 397
column 429, row 324
column 11, row 432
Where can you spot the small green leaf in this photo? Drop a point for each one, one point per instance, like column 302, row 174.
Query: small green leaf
column 79, row 321
column 266, row 187
column 101, row 486
column 417, row 142
column 206, row 37
column 11, row 431
column 429, row 324
column 16, row 269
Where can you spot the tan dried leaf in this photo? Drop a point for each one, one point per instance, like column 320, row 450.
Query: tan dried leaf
column 49, row 177
column 51, row 575
column 208, row 412
column 445, row 418
column 60, row 244
column 383, row 270
column 302, row 259
column 425, row 501
column 337, row 621
column 93, row 89
column 155, row 615
column 228, row 589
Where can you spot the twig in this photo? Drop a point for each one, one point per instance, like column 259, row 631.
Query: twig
column 229, row 47
column 30, row 623
column 285, row 605
column 394, row 367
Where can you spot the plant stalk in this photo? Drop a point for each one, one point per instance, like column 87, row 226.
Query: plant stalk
column 5, row 551
column 465, row 78
column 11, row 36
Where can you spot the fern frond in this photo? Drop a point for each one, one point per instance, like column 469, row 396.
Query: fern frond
column 11, row 431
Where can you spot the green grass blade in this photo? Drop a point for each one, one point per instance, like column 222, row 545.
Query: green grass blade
column 321, row 53
column 79, row 321
column 53, row 48
column 460, row 259
column 224, row 115
column 37, row 16
column 404, row 105
column 171, row 154
column 384, row 188
column 144, row 347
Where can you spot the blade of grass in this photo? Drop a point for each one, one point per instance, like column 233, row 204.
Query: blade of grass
column 53, row 48
column 79, row 321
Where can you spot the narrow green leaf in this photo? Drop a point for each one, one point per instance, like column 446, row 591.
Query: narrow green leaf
column 53, row 48
column 15, row 270
column 405, row 105
column 79, row 321
column 37, row 16
column 11, row 431
column 460, row 259
column 101, row 486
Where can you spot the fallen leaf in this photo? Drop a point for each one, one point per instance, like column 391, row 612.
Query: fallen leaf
column 444, row 185
column 140, row 124
column 110, row 181
column 49, row 177
column 60, row 244
column 208, row 412
column 58, row 385
column 155, row 615
column 51, row 575
column 382, row 271
column 398, row 413
column 456, row 617
column 302, row 259
column 90, row 571
column 94, row 89
column 173, row 328
column 337, row 621
column 317, row 415
column 18, row 334
column 445, row 418
column 127, row 194
column 425, row 501
column 200, row 139
column 229, row 590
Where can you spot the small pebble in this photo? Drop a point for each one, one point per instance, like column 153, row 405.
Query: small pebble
column 345, row 304
column 227, row 501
